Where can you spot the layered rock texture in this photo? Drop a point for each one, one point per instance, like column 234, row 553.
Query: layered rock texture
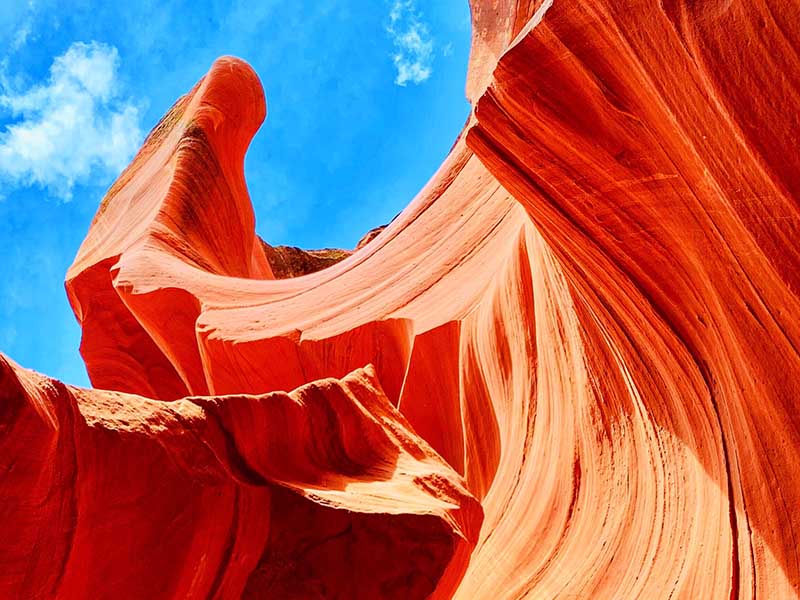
column 569, row 369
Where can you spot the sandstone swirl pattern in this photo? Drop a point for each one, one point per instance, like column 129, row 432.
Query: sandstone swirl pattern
column 569, row 369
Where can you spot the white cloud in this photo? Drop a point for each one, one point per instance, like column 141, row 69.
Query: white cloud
column 71, row 128
column 413, row 44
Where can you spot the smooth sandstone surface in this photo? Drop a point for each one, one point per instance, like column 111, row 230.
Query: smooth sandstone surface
column 569, row 369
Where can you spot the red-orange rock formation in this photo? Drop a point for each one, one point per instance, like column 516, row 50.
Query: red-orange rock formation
column 582, row 333
column 276, row 495
column 291, row 261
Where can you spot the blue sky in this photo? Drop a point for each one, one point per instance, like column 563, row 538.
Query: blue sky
column 365, row 98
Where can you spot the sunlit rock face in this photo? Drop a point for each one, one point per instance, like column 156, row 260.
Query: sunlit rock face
column 569, row 369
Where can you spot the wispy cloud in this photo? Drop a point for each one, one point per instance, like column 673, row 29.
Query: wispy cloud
column 73, row 127
column 23, row 21
column 21, row 36
column 413, row 44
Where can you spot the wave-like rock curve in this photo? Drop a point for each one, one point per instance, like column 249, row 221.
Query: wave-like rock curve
column 569, row 369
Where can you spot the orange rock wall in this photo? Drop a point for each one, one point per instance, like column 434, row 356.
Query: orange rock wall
column 663, row 179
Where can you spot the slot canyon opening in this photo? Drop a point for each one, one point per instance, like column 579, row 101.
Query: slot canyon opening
column 611, row 335
column 327, row 180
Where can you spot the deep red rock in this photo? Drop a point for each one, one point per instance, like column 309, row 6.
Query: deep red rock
column 258, row 496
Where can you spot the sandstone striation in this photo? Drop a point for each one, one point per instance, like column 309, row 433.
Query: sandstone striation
column 568, row 369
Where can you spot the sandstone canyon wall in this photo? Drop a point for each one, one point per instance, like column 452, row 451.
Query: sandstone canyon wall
column 569, row 369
